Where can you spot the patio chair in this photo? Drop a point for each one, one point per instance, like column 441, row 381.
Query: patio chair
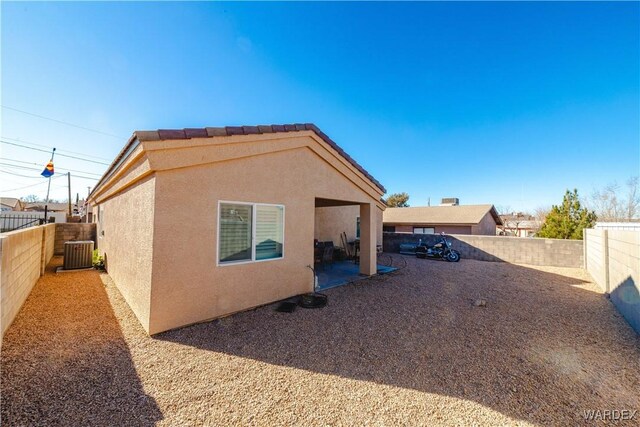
column 317, row 255
column 327, row 255
column 318, row 252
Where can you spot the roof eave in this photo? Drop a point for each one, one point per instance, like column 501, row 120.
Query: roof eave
column 210, row 132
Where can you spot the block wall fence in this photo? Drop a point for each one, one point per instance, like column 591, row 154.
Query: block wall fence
column 612, row 257
column 518, row 250
column 24, row 255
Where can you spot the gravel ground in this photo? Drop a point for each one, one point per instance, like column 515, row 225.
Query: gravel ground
column 410, row 348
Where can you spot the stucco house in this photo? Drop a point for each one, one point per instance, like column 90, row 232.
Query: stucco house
column 11, row 204
column 456, row 219
column 518, row 225
column 195, row 224
column 51, row 207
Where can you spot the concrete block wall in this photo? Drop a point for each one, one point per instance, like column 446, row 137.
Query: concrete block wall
column 48, row 245
column 518, row 250
column 73, row 231
column 23, row 254
column 595, row 256
column 613, row 260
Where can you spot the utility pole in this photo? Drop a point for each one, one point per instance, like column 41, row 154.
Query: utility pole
column 69, row 188
column 46, row 203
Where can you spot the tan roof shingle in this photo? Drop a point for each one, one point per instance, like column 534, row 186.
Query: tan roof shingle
column 9, row 201
column 432, row 215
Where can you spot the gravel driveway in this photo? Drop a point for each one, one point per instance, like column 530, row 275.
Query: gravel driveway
column 409, row 348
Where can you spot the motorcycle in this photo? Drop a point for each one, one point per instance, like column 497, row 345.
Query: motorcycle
column 442, row 250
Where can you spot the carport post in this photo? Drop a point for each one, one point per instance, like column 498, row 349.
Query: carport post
column 368, row 264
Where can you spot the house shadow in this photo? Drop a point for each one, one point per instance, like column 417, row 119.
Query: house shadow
column 65, row 360
column 626, row 298
column 536, row 352
column 392, row 242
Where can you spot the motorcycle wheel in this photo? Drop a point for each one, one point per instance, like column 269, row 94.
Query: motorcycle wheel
column 453, row 256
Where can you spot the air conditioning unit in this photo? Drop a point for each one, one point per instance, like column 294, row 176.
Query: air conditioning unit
column 78, row 254
column 450, row 201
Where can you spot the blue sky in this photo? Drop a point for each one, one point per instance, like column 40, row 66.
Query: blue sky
column 503, row 103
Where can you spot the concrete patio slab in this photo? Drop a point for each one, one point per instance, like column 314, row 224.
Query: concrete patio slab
column 343, row 272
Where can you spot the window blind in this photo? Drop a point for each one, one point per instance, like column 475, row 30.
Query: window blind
column 235, row 232
column 269, row 231
column 250, row 232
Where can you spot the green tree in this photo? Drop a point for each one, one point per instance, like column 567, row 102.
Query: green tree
column 567, row 220
column 31, row 198
column 397, row 200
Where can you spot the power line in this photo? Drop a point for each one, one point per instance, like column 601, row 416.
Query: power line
column 83, row 177
column 37, row 164
column 63, row 122
column 7, row 181
column 22, row 176
column 47, row 151
column 28, row 186
column 18, row 166
column 37, row 169
column 57, row 150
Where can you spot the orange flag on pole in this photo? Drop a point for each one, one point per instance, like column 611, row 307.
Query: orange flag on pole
column 48, row 170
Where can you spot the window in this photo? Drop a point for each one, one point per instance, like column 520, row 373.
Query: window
column 250, row 232
column 424, row 230
column 357, row 227
column 269, row 231
column 235, row 232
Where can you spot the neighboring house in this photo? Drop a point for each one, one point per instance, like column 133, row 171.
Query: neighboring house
column 463, row 219
column 11, row 204
column 51, row 207
column 518, row 225
column 196, row 224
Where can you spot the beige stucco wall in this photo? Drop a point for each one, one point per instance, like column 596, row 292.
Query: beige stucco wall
column 404, row 228
column 486, row 226
column 24, row 254
column 127, row 243
column 331, row 221
column 161, row 212
column 188, row 286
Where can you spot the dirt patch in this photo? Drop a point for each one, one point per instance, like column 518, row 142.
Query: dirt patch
column 413, row 347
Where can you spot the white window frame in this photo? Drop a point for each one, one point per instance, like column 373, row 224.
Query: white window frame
column 422, row 228
column 254, row 208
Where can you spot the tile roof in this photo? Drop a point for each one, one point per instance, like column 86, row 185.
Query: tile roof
column 9, row 201
column 51, row 206
column 462, row 214
column 210, row 132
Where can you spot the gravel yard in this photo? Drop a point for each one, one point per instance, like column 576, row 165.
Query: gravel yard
column 409, row 348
